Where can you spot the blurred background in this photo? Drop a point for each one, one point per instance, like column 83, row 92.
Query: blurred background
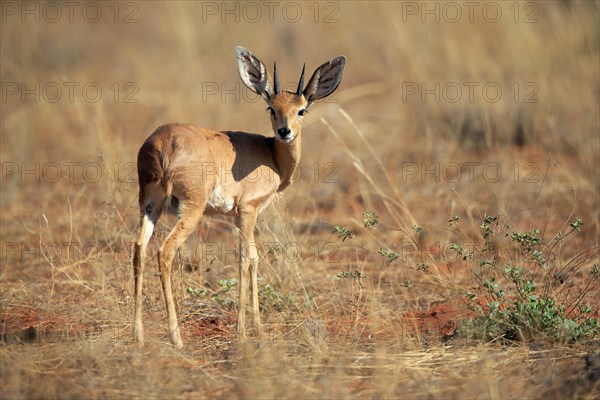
column 425, row 83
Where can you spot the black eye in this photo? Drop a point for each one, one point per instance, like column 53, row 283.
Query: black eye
column 271, row 111
column 302, row 112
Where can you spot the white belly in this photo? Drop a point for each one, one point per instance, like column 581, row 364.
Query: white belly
column 220, row 202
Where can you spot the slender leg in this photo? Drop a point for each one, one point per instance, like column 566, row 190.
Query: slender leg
column 246, row 222
column 188, row 220
column 243, row 289
column 150, row 215
column 253, row 255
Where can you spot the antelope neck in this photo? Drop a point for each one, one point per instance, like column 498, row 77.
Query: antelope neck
column 287, row 158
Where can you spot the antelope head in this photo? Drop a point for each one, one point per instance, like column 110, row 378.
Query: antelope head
column 287, row 109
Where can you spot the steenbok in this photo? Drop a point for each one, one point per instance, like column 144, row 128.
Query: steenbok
column 195, row 171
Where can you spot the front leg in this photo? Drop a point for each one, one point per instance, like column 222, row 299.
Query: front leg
column 246, row 221
column 253, row 256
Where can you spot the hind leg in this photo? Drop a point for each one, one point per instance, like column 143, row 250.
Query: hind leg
column 190, row 216
column 151, row 202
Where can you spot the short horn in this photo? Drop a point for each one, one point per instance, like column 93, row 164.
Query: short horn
column 275, row 78
column 301, row 82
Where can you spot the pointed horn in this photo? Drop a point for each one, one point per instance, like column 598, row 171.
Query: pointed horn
column 275, row 78
column 301, row 82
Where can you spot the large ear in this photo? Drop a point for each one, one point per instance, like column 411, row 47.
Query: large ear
column 325, row 80
column 253, row 73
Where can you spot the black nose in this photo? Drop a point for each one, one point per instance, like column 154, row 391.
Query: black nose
column 284, row 132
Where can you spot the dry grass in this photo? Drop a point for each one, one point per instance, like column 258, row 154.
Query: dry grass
column 69, row 201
